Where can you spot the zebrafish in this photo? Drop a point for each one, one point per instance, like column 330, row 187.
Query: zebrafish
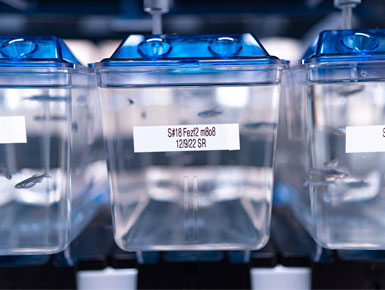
column 52, row 118
column 47, row 98
column 351, row 183
column 31, row 181
column 58, row 118
column 341, row 131
column 324, row 177
column 327, row 173
column 5, row 172
column 351, row 91
column 356, row 183
column 318, row 182
column 258, row 125
column 40, row 118
column 131, row 101
column 74, row 126
column 209, row 113
column 332, row 163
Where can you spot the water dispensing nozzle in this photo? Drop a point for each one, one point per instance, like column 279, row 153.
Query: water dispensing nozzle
column 346, row 6
column 156, row 8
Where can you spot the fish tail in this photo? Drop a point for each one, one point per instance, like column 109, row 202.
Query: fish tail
column 45, row 174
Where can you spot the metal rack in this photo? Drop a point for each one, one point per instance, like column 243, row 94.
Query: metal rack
column 289, row 246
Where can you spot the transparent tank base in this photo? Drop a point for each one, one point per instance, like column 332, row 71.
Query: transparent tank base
column 31, row 229
column 353, row 221
column 347, row 189
column 194, row 209
column 348, row 212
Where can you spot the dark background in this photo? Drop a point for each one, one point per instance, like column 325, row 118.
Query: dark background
column 114, row 19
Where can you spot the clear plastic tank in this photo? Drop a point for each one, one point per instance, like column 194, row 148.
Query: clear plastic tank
column 50, row 168
column 341, row 83
column 190, row 124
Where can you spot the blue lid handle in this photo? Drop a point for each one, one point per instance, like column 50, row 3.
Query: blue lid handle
column 154, row 47
column 18, row 48
column 185, row 49
column 28, row 50
column 225, row 46
column 359, row 41
column 347, row 45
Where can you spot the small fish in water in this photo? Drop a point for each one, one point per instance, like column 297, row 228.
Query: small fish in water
column 318, row 182
column 31, row 181
column 52, row 118
column 131, row 101
column 58, row 118
column 40, row 118
column 47, row 99
column 74, row 126
column 144, row 115
column 341, row 131
column 5, row 172
column 327, row 173
column 356, row 183
column 332, row 163
column 258, row 125
column 353, row 91
column 209, row 113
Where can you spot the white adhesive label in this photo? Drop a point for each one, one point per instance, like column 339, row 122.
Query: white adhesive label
column 186, row 138
column 361, row 139
column 13, row 130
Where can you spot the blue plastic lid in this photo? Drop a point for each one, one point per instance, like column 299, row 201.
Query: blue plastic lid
column 190, row 50
column 347, row 45
column 47, row 51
